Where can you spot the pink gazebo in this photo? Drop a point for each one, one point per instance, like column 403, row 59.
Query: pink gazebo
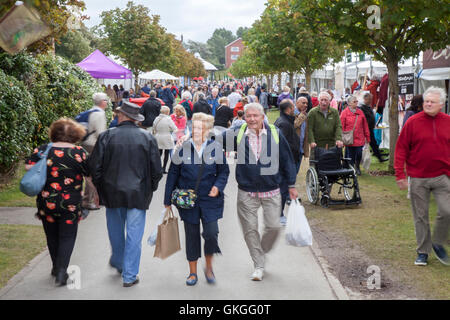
column 100, row 66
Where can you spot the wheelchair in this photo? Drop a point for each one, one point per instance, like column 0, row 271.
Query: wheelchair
column 327, row 168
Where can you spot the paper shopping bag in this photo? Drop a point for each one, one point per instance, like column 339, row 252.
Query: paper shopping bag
column 168, row 238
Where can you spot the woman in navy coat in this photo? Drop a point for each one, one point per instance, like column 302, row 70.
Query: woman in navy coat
column 183, row 173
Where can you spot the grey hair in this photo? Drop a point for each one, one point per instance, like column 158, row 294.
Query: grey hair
column 436, row 90
column 254, row 105
column 350, row 98
column 165, row 110
column 98, row 97
column 324, row 93
column 186, row 95
column 153, row 93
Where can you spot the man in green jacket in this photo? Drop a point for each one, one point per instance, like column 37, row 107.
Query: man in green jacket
column 324, row 125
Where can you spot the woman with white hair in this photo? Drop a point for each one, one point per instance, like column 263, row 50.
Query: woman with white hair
column 353, row 119
column 163, row 127
column 187, row 171
column 285, row 95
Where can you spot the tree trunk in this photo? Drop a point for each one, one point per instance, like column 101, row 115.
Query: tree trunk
column 308, row 75
column 392, row 65
column 279, row 82
column 291, row 82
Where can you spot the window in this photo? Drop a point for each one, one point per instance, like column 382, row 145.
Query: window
column 234, row 57
column 234, row 49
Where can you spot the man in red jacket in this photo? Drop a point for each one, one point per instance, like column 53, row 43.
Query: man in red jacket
column 424, row 144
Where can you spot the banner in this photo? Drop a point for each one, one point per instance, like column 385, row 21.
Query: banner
column 406, row 92
column 20, row 27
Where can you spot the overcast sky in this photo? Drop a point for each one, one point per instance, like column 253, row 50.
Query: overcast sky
column 194, row 19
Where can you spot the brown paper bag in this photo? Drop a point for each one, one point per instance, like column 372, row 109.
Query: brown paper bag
column 168, row 238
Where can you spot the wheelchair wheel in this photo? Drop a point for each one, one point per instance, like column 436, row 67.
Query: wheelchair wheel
column 312, row 185
column 347, row 187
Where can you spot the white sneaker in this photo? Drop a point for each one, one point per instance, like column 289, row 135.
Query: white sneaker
column 258, row 274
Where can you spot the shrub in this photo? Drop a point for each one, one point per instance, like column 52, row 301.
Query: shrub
column 18, row 121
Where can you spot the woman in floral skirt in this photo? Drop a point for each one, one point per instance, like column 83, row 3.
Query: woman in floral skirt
column 59, row 203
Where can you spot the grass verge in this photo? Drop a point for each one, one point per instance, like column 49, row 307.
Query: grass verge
column 383, row 227
column 10, row 194
column 18, row 245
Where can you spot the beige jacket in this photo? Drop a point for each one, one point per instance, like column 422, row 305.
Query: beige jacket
column 163, row 127
column 97, row 123
column 297, row 124
column 111, row 94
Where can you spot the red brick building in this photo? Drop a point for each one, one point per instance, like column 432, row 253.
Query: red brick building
column 233, row 51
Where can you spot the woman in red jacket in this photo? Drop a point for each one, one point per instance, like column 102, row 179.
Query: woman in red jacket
column 353, row 117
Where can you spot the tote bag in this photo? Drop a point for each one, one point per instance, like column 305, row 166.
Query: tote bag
column 347, row 136
column 34, row 180
column 168, row 238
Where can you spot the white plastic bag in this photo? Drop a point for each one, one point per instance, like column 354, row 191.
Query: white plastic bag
column 366, row 157
column 298, row 232
column 152, row 239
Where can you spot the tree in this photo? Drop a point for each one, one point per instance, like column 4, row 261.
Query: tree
column 241, row 31
column 201, row 48
column 405, row 28
column 55, row 13
column 135, row 36
column 219, row 39
column 75, row 45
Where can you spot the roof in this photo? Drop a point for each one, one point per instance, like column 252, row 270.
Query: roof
column 157, row 75
column 233, row 42
column 101, row 67
column 207, row 65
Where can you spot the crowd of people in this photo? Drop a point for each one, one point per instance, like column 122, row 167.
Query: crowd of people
column 193, row 129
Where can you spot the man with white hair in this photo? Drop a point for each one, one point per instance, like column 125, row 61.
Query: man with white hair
column 324, row 125
column 96, row 124
column 424, row 145
column 213, row 100
column 264, row 160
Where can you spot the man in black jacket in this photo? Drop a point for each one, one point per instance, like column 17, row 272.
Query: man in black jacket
column 126, row 168
column 286, row 125
column 370, row 117
column 150, row 110
column 202, row 105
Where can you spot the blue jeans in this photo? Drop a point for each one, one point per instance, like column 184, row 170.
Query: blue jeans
column 126, row 252
column 355, row 154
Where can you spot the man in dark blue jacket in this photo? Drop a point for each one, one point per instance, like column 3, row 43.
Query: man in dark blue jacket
column 167, row 96
column 264, row 161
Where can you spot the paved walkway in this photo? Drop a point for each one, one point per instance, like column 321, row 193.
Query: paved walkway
column 291, row 272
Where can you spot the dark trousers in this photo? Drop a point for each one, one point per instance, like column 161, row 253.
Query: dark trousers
column 354, row 153
column 60, row 241
column 166, row 157
column 284, row 188
column 374, row 145
column 193, row 242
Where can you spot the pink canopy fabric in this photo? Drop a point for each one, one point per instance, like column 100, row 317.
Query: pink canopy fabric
column 101, row 67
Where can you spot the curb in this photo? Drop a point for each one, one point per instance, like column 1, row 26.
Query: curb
column 22, row 273
column 337, row 288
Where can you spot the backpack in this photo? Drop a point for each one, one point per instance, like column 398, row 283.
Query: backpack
column 83, row 118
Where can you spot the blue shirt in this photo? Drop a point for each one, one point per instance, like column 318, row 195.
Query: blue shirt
column 302, row 136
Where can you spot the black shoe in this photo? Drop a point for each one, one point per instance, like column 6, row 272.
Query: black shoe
column 54, row 272
column 358, row 171
column 61, row 278
column 130, row 284
column 422, row 259
column 441, row 254
column 90, row 207
column 381, row 159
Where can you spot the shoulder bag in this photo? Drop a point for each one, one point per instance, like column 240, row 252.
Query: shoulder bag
column 34, row 180
column 185, row 198
column 347, row 136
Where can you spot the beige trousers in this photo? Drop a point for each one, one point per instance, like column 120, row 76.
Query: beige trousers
column 420, row 198
column 247, row 208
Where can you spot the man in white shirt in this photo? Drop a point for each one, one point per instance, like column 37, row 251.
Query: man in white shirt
column 233, row 98
column 96, row 125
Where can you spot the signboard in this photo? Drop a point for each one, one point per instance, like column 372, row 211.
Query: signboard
column 436, row 59
column 406, row 92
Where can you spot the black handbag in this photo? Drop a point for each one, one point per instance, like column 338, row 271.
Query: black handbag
column 185, row 198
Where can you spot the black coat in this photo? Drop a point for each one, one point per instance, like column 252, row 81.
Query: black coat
column 126, row 167
column 150, row 110
column 286, row 125
column 370, row 117
column 202, row 106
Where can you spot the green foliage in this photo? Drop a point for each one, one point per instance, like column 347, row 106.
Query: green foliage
column 219, row 39
column 75, row 45
column 18, row 120
column 35, row 92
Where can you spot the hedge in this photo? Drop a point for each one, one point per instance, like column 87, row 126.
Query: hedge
column 39, row 91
